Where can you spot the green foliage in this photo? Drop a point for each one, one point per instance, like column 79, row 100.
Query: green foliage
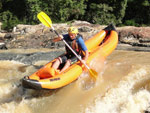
column 119, row 12
column 8, row 20
column 66, row 10
column 100, row 13
column 130, row 23
column 146, row 3
column 32, row 8
column 139, row 11
column 105, row 12
column 0, row 6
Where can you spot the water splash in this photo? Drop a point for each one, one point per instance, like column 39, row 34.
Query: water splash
column 121, row 99
column 85, row 81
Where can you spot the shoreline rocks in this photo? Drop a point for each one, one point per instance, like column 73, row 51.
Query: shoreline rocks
column 135, row 36
column 39, row 36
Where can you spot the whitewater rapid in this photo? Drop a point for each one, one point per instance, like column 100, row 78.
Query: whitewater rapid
column 122, row 86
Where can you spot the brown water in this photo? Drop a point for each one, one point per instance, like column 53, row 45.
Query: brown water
column 122, row 87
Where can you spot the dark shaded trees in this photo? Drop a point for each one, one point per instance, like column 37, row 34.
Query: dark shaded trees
column 119, row 12
column 137, row 13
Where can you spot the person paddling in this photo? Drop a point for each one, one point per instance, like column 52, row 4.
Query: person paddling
column 75, row 40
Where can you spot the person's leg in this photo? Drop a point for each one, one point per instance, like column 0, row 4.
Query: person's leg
column 67, row 64
column 74, row 59
column 53, row 71
column 57, row 63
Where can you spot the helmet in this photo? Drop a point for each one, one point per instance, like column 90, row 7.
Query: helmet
column 73, row 30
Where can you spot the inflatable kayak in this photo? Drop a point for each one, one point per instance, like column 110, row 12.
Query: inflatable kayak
column 104, row 42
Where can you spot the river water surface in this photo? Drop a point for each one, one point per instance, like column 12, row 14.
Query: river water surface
column 122, row 86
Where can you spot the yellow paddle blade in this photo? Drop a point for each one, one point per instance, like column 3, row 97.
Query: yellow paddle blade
column 93, row 73
column 44, row 18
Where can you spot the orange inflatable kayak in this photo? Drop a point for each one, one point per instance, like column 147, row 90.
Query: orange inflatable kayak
column 104, row 42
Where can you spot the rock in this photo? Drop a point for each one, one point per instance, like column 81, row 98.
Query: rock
column 144, row 40
column 30, row 29
column 2, row 45
column 85, row 29
column 136, row 36
column 14, row 29
column 2, row 35
column 9, row 36
column 39, row 36
column 0, row 25
column 60, row 25
column 80, row 23
column 31, row 58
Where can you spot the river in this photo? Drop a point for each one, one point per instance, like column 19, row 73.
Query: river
column 122, row 86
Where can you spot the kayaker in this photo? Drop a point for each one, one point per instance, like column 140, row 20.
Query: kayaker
column 75, row 40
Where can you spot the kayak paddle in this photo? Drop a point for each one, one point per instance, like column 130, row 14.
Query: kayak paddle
column 45, row 19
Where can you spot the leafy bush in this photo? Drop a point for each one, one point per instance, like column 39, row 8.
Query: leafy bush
column 131, row 23
column 119, row 12
column 8, row 20
column 66, row 10
column 100, row 13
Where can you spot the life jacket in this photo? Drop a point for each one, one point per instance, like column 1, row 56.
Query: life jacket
column 73, row 43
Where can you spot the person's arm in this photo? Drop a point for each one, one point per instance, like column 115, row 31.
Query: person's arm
column 84, row 48
column 57, row 38
column 86, row 56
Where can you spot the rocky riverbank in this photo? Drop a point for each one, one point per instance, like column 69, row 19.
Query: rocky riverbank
column 38, row 36
column 24, row 37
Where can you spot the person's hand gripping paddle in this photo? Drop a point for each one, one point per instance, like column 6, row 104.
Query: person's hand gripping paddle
column 45, row 19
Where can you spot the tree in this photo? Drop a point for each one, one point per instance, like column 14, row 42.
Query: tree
column 8, row 19
column 120, row 10
column 65, row 10
column 100, row 13
column 106, row 11
column 32, row 8
column 138, row 11
column 0, row 6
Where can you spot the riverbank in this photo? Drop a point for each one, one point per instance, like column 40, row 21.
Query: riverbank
column 39, row 36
